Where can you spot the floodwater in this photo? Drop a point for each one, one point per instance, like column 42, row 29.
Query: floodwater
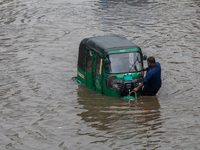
column 42, row 108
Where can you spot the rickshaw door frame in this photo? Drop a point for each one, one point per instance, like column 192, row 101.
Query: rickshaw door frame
column 93, row 62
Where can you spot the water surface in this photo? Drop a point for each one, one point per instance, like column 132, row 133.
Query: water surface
column 42, row 108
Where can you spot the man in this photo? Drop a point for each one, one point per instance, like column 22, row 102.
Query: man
column 152, row 81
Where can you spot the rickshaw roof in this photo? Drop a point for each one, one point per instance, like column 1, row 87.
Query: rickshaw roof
column 104, row 44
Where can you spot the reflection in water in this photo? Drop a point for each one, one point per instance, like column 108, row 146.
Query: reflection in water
column 39, row 104
column 117, row 118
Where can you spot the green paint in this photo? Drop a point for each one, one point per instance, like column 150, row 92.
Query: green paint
column 123, row 51
column 127, row 97
column 94, row 76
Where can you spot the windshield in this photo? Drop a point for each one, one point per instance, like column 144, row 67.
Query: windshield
column 124, row 63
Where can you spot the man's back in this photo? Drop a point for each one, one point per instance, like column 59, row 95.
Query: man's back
column 152, row 79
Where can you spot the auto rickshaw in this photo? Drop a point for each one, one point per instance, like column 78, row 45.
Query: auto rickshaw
column 110, row 65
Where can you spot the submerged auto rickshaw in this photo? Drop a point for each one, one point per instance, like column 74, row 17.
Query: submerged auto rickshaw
column 110, row 65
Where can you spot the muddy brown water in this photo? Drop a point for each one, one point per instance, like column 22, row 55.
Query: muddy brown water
column 42, row 108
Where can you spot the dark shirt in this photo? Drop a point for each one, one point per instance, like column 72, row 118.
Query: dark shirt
column 152, row 80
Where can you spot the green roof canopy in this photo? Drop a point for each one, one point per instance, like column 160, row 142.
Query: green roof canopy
column 103, row 44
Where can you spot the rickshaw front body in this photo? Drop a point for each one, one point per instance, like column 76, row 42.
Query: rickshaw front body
column 110, row 65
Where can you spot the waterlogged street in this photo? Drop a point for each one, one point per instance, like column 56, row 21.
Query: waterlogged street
column 42, row 108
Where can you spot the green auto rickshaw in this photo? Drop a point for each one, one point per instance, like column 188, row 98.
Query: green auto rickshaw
column 110, row 65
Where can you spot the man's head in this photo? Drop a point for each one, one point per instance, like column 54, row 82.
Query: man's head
column 151, row 61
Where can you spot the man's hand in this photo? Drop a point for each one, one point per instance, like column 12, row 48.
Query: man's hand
column 141, row 74
column 135, row 89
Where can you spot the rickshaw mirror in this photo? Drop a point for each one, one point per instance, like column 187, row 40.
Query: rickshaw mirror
column 144, row 57
column 106, row 61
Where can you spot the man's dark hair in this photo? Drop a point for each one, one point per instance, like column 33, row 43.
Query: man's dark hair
column 151, row 60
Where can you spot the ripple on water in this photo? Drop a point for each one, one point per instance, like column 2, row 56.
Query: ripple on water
column 41, row 108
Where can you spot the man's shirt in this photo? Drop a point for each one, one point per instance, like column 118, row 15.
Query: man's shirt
column 152, row 80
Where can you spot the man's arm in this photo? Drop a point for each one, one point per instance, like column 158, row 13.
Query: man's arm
column 137, row 88
column 141, row 85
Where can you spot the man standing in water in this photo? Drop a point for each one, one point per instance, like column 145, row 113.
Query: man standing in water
column 152, row 81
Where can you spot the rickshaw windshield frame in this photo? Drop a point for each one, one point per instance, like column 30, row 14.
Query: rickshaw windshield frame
column 126, row 62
